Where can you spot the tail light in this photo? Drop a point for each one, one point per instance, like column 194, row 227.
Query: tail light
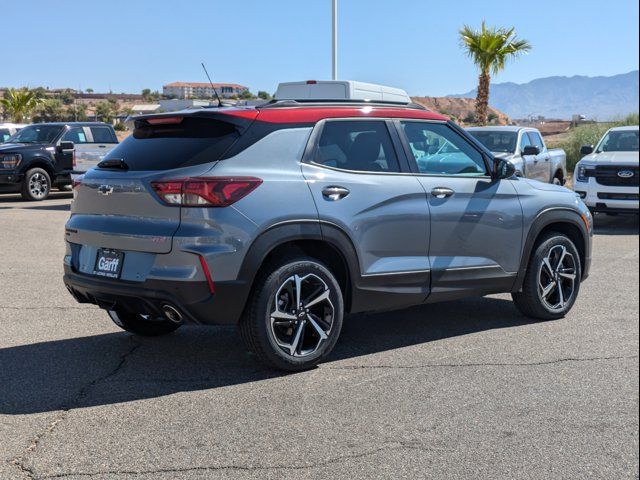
column 73, row 159
column 76, row 181
column 205, row 192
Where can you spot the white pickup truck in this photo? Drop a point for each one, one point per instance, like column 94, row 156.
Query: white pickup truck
column 525, row 148
column 608, row 178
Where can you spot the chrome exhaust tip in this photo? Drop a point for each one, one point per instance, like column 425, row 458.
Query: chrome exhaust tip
column 172, row 314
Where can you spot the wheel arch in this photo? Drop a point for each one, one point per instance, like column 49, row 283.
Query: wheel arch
column 563, row 220
column 308, row 239
column 40, row 162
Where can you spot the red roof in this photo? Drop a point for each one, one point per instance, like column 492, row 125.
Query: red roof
column 313, row 114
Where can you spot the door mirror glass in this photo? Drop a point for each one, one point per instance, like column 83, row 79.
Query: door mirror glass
column 586, row 150
column 503, row 169
column 531, row 150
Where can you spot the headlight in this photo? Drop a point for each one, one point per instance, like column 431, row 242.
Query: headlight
column 10, row 161
column 583, row 172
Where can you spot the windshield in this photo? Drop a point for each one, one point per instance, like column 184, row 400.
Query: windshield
column 37, row 134
column 495, row 141
column 619, row 141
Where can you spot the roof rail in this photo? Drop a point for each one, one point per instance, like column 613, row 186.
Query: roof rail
column 332, row 102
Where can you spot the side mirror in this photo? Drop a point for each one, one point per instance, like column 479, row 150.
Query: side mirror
column 503, row 169
column 531, row 150
column 586, row 150
column 66, row 147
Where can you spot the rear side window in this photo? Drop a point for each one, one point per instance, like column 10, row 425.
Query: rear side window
column 103, row 135
column 4, row 134
column 193, row 141
column 363, row 146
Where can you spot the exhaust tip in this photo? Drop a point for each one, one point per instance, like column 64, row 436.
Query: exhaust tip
column 172, row 314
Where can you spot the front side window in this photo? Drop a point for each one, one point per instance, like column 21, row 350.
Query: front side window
column 359, row 145
column 75, row 135
column 619, row 141
column 536, row 140
column 439, row 150
column 4, row 134
column 525, row 141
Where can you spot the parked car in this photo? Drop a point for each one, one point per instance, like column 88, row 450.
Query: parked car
column 45, row 155
column 9, row 129
column 525, row 148
column 607, row 178
column 284, row 217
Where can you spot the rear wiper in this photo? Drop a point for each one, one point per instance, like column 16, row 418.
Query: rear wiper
column 117, row 163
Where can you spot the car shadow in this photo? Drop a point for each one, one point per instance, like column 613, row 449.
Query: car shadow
column 119, row 367
column 65, row 207
column 615, row 225
column 8, row 198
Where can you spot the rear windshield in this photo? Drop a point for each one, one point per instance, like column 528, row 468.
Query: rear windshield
column 193, row 141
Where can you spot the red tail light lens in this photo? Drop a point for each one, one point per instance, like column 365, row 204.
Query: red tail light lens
column 205, row 192
column 76, row 181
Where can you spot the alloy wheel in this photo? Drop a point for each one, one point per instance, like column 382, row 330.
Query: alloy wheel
column 302, row 315
column 557, row 278
column 38, row 185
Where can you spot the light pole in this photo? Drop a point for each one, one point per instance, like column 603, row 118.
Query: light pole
column 334, row 39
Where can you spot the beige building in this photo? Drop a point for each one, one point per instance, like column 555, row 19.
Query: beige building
column 185, row 90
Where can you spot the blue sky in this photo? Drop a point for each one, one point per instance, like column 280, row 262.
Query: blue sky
column 125, row 46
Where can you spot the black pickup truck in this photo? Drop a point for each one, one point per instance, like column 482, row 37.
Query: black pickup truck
column 43, row 155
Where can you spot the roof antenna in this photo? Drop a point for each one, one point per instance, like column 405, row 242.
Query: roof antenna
column 214, row 88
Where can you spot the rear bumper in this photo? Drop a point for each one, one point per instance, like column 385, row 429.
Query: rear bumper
column 192, row 299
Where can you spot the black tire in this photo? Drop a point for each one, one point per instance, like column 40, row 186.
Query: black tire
column 265, row 336
column 36, row 185
column 139, row 325
column 532, row 301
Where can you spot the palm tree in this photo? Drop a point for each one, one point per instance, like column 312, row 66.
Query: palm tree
column 490, row 48
column 19, row 104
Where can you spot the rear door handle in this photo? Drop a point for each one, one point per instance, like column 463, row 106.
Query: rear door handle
column 442, row 192
column 334, row 193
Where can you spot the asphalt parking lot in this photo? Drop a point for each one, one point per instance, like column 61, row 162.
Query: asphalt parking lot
column 461, row 390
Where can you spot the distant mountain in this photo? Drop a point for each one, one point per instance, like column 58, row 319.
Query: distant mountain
column 459, row 108
column 601, row 98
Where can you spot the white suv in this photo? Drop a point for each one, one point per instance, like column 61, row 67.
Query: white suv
column 607, row 177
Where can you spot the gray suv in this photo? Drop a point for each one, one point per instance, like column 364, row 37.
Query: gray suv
column 283, row 218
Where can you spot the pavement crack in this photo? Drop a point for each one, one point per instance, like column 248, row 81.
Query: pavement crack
column 483, row 364
column 18, row 461
column 240, row 467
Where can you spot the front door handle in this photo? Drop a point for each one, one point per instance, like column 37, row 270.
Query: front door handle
column 442, row 192
column 334, row 193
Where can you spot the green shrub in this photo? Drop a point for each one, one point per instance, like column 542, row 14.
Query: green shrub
column 589, row 134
